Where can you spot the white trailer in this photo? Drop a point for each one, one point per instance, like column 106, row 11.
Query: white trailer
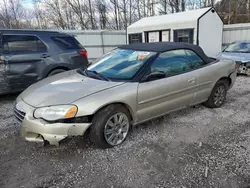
column 203, row 27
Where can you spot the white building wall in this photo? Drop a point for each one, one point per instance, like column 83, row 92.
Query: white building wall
column 210, row 33
column 235, row 32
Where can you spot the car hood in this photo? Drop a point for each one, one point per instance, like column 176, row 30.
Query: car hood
column 242, row 57
column 64, row 88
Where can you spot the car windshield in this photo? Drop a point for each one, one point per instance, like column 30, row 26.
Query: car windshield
column 120, row 64
column 238, row 47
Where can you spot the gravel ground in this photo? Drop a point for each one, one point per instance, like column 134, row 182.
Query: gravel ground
column 195, row 147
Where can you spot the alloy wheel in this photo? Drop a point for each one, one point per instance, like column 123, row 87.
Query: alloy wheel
column 219, row 95
column 116, row 129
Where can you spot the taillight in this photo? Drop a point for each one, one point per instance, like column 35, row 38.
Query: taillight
column 83, row 53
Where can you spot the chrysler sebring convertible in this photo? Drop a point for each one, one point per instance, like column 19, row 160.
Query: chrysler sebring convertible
column 127, row 86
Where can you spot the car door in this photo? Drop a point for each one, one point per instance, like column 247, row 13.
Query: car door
column 23, row 56
column 206, row 76
column 175, row 91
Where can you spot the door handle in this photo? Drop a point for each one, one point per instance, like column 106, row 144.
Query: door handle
column 45, row 55
column 191, row 80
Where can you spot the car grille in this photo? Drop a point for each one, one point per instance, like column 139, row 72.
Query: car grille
column 19, row 115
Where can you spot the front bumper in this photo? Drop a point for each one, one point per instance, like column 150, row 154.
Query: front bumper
column 243, row 68
column 38, row 130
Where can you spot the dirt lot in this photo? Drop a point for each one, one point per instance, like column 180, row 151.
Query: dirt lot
column 195, row 147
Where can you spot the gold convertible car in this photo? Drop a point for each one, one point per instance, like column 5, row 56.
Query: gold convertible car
column 127, row 86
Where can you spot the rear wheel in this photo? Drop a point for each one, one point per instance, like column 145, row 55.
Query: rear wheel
column 56, row 71
column 218, row 95
column 110, row 126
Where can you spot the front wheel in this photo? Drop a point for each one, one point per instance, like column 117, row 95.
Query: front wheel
column 110, row 126
column 218, row 95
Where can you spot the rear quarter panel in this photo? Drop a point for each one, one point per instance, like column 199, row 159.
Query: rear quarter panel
column 210, row 75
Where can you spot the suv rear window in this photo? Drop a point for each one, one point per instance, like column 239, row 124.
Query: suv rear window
column 67, row 43
column 22, row 43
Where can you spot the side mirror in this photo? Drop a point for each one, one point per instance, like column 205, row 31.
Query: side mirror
column 155, row 75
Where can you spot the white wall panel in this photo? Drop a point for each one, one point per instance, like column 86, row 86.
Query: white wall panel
column 236, row 32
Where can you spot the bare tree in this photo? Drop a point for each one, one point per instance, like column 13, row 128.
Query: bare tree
column 163, row 6
column 102, row 11
column 115, row 5
column 91, row 13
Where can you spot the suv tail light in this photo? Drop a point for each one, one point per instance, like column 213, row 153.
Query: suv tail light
column 83, row 53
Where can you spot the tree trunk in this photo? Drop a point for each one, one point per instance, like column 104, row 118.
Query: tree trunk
column 116, row 15
column 177, row 6
column 125, row 14
column 165, row 6
column 183, row 6
column 130, row 12
column 144, row 8
column 91, row 16
column 138, row 9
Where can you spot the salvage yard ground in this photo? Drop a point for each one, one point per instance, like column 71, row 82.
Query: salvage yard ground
column 195, row 147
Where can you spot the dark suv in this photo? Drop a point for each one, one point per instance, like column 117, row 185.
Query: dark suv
column 29, row 56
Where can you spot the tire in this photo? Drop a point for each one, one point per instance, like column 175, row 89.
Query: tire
column 218, row 95
column 56, row 71
column 102, row 134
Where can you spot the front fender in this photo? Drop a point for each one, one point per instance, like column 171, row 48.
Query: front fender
column 125, row 94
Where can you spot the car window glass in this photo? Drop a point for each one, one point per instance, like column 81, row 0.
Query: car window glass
column 238, row 47
column 22, row 43
column 121, row 64
column 195, row 60
column 41, row 47
column 67, row 43
column 172, row 63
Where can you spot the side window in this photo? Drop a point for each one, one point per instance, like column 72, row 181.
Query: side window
column 67, row 43
column 41, row 47
column 135, row 38
column 184, row 35
column 172, row 63
column 177, row 62
column 195, row 60
column 22, row 43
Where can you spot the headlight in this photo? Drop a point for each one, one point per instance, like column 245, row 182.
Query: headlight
column 53, row 113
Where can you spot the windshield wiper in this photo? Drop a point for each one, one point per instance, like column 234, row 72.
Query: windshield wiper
column 96, row 74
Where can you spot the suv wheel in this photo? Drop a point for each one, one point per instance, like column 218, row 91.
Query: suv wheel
column 218, row 95
column 56, row 71
column 110, row 126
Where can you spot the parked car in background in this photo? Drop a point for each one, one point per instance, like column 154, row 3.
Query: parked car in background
column 29, row 56
column 238, row 51
column 127, row 86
